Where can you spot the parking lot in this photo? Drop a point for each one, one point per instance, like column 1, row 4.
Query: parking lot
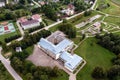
column 40, row 58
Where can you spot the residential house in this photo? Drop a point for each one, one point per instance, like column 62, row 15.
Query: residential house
column 69, row 11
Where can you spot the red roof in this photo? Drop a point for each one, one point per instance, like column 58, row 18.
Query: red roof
column 71, row 6
column 6, row 28
column 36, row 16
column 22, row 19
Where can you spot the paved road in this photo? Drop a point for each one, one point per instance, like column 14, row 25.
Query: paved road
column 7, row 65
column 52, row 25
column 93, row 6
column 36, row 3
column 20, row 28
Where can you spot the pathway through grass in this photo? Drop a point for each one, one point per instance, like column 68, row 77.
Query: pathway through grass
column 95, row 55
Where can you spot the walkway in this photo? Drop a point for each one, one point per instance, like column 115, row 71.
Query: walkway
column 52, row 25
column 20, row 28
column 36, row 3
column 7, row 65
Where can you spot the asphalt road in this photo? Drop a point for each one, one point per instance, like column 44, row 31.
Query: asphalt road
column 7, row 65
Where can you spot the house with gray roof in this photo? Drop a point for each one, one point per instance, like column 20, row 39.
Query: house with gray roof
column 30, row 24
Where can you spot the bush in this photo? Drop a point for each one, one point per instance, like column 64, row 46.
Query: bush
column 98, row 73
column 87, row 13
column 36, row 28
column 29, row 40
column 9, row 39
column 68, row 29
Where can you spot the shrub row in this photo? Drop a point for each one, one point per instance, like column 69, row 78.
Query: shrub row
column 36, row 28
column 9, row 39
column 29, row 40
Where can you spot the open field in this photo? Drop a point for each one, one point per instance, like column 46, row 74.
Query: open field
column 113, row 9
column 116, row 2
column 112, row 19
column 95, row 55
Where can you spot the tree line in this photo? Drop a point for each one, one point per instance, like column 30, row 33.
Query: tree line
column 112, row 73
column 36, row 28
column 112, row 43
column 11, row 38
column 27, row 41
column 68, row 29
column 31, row 72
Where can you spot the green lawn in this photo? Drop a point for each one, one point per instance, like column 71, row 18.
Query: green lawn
column 4, row 74
column 30, row 49
column 116, row 2
column 113, row 20
column 95, row 55
column 113, row 9
column 49, row 21
column 76, row 40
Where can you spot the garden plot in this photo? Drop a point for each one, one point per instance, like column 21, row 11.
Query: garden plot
column 111, row 28
column 91, row 30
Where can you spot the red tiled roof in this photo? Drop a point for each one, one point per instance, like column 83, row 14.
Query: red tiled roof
column 6, row 28
column 22, row 19
column 36, row 16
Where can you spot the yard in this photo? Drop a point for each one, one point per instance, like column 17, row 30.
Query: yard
column 95, row 55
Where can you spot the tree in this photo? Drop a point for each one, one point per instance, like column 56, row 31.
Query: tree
column 68, row 29
column 87, row 13
column 29, row 76
column 98, row 73
column 50, row 11
column 83, row 36
column 113, row 72
column 80, row 5
column 22, row 2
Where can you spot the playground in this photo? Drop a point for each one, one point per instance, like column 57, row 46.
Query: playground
column 6, row 28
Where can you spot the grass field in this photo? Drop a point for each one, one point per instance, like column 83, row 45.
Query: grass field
column 30, row 49
column 4, row 75
column 95, row 55
column 113, row 20
column 113, row 9
column 116, row 2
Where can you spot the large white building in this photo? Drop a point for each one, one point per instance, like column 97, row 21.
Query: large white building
column 60, row 50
